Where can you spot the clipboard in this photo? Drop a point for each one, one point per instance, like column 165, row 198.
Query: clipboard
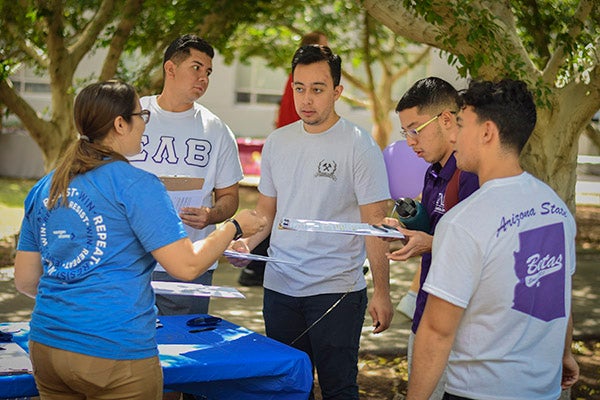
column 179, row 183
column 346, row 228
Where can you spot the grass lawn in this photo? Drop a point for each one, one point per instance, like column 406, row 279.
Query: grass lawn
column 12, row 194
column 13, row 191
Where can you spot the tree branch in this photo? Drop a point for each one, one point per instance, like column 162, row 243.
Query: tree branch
column 87, row 38
column 131, row 12
column 418, row 59
column 22, row 109
column 368, row 61
column 505, row 41
column 355, row 101
column 551, row 70
column 594, row 135
column 402, row 21
column 355, row 81
column 540, row 39
column 30, row 49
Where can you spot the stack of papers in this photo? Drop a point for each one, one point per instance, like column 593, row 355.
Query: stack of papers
column 195, row 289
column 14, row 360
column 347, row 228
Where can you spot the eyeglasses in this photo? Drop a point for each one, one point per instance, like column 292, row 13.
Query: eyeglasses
column 413, row 133
column 145, row 114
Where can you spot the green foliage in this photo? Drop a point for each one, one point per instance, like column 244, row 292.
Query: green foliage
column 13, row 191
column 160, row 23
column 276, row 36
column 545, row 28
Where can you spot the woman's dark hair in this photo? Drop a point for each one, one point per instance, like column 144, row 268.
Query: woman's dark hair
column 95, row 110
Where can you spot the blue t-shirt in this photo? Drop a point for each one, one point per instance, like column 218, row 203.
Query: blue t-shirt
column 94, row 296
column 435, row 187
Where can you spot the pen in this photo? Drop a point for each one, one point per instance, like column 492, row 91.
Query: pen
column 380, row 228
column 210, row 328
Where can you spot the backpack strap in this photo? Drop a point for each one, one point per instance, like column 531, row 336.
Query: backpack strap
column 451, row 196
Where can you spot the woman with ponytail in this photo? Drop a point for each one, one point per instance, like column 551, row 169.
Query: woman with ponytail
column 92, row 232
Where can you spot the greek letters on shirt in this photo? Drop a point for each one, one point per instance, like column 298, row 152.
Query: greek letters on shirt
column 72, row 238
column 197, row 151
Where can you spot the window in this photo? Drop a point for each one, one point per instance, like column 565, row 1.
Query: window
column 258, row 84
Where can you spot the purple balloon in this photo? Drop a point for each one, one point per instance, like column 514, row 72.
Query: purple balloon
column 404, row 169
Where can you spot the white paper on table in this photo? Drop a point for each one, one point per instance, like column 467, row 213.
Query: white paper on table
column 347, row 228
column 14, row 360
column 255, row 257
column 185, row 198
column 196, row 289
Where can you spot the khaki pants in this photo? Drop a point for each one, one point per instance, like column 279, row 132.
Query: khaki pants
column 65, row 375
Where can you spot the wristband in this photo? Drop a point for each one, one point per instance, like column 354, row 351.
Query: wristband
column 238, row 228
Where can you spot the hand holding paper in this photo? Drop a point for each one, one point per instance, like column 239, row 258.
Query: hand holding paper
column 196, row 217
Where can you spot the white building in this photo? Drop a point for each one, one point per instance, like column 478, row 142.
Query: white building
column 245, row 96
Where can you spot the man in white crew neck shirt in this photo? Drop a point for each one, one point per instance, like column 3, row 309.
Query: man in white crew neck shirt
column 185, row 139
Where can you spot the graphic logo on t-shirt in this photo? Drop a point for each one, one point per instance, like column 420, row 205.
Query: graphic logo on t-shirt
column 440, row 207
column 540, row 267
column 327, row 169
column 72, row 237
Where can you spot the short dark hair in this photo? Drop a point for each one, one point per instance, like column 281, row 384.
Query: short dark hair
column 313, row 53
column 430, row 93
column 509, row 104
column 179, row 49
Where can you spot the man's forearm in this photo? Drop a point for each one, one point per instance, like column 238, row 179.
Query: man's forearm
column 225, row 207
column 430, row 357
column 568, row 337
column 380, row 265
column 377, row 248
column 433, row 342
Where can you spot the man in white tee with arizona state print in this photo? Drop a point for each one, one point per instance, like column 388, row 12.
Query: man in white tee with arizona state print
column 185, row 139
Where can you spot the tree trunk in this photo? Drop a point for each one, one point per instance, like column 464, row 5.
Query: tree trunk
column 551, row 156
column 382, row 127
column 551, row 152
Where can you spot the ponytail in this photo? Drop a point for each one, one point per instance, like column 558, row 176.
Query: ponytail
column 95, row 110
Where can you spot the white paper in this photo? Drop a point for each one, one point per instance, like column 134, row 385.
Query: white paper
column 347, row 228
column 14, row 360
column 255, row 257
column 196, row 289
column 185, row 198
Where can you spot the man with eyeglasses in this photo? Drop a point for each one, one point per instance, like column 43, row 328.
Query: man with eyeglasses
column 499, row 307
column 183, row 138
column 427, row 112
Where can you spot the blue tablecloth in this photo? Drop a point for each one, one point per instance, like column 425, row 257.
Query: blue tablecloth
column 229, row 362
